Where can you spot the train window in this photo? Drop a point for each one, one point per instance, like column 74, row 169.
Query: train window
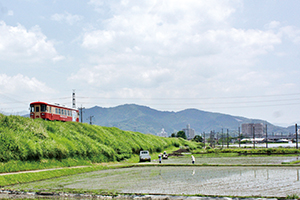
column 31, row 108
column 56, row 110
column 50, row 109
column 59, row 111
column 37, row 109
column 43, row 108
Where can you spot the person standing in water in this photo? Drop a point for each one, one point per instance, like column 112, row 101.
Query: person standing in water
column 193, row 159
column 159, row 158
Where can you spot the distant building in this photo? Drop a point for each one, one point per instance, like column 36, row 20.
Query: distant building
column 163, row 133
column 248, row 128
column 190, row 133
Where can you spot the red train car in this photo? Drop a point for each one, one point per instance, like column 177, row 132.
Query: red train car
column 53, row 112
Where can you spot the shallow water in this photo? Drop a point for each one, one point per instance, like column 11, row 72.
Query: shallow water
column 230, row 160
column 233, row 181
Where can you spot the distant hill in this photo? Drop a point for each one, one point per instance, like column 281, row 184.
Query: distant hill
column 147, row 120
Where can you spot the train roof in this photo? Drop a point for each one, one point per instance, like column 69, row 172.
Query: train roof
column 52, row 104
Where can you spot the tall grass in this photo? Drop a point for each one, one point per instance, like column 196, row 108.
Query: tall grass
column 26, row 139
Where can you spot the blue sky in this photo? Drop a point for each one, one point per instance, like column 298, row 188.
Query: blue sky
column 229, row 56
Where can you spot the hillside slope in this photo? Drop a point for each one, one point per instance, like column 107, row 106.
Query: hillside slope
column 27, row 139
column 146, row 120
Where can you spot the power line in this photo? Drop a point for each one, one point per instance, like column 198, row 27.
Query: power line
column 190, row 98
column 287, row 99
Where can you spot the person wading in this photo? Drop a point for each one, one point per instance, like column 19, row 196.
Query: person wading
column 193, row 159
column 159, row 158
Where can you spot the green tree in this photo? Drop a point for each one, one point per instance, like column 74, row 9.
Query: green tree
column 181, row 134
column 197, row 138
column 173, row 135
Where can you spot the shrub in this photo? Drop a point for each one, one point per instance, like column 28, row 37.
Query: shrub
column 210, row 150
column 293, row 196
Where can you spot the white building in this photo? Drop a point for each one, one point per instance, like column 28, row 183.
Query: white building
column 258, row 128
column 163, row 133
column 190, row 133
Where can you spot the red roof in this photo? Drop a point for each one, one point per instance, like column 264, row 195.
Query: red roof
column 53, row 105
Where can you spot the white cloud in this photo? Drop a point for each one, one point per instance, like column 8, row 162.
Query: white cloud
column 21, row 84
column 272, row 25
column 177, row 49
column 16, row 92
column 66, row 17
column 19, row 44
column 291, row 32
column 184, row 40
column 10, row 13
column 174, row 28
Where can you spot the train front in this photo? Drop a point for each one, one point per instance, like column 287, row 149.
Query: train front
column 38, row 110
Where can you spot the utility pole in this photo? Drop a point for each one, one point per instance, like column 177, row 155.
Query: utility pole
column 222, row 139
column 81, row 111
column 296, row 132
column 253, row 130
column 239, row 137
column 266, row 136
column 227, row 138
column 91, row 119
column 212, row 138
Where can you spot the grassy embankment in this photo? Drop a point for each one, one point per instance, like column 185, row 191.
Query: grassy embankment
column 27, row 144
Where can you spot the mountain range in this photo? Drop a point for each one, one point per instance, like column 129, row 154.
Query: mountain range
column 144, row 119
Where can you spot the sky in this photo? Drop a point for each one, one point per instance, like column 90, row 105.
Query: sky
column 237, row 57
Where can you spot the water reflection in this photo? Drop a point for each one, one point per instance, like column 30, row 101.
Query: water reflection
column 242, row 181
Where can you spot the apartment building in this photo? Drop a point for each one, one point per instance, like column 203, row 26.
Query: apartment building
column 248, row 129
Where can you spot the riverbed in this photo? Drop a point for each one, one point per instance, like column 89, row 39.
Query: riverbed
column 224, row 181
column 240, row 160
column 267, row 181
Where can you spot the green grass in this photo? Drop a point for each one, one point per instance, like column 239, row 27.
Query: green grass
column 292, row 163
column 17, row 165
column 32, row 140
column 43, row 175
column 293, row 196
column 27, row 144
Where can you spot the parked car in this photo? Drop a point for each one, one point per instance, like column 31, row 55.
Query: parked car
column 145, row 156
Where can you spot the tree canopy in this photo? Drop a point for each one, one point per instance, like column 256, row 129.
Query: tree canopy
column 181, row 134
column 197, row 138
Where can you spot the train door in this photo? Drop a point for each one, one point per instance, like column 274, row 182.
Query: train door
column 37, row 111
column 74, row 115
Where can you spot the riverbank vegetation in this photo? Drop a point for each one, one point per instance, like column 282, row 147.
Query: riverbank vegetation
column 36, row 144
